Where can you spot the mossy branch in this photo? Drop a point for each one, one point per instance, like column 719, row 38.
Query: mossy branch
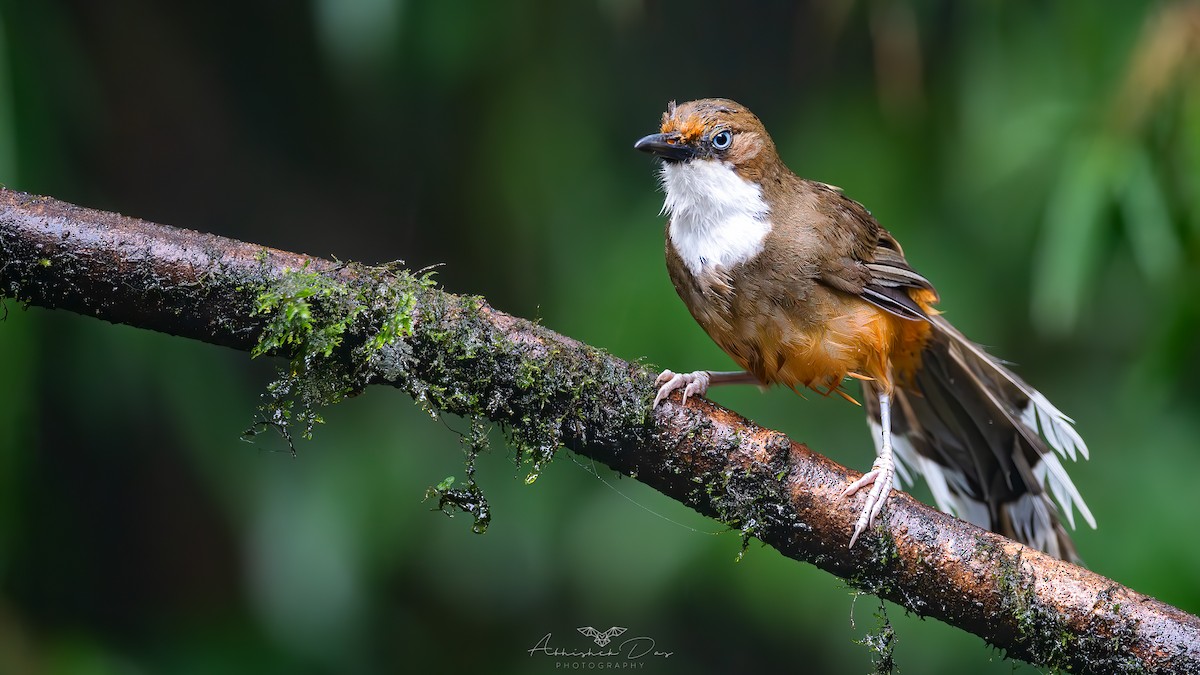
column 457, row 354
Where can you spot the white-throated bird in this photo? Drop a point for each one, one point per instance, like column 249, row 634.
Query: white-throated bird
column 802, row 287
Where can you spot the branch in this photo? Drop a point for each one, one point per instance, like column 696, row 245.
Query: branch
column 464, row 357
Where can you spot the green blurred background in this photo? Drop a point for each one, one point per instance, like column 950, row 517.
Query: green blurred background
column 1038, row 160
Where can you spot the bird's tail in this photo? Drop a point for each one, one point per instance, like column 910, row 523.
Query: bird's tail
column 985, row 441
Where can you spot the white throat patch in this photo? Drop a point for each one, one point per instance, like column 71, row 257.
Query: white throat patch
column 718, row 218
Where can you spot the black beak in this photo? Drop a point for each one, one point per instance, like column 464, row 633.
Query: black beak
column 667, row 146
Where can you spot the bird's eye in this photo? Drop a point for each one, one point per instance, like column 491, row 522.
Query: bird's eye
column 722, row 140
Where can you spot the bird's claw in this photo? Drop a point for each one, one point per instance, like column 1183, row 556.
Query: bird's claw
column 880, row 478
column 692, row 384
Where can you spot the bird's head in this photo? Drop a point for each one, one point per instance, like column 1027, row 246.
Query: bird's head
column 713, row 129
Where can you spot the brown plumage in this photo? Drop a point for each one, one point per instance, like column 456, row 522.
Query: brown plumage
column 802, row 287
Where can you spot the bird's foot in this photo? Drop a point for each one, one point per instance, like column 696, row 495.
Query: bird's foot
column 693, row 384
column 880, row 478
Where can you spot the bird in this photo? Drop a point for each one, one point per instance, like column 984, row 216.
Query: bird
column 802, row 287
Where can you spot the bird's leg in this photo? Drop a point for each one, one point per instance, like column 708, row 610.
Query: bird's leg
column 697, row 383
column 881, row 475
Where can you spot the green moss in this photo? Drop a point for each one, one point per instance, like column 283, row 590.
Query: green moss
column 470, row 498
column 746, row 498
column 881, row 642
column 311, row 316
column 539, row 401
column 342, row 331
column 884, row 549
column 1047, row 638
column 1041, row 631
column 873, row 577
column 748, row 530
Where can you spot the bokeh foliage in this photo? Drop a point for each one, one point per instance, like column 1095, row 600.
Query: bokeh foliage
column 1038, row 161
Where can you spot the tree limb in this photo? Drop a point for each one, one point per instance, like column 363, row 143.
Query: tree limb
column 462, row 356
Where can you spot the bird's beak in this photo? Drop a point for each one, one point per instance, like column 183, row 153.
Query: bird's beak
column 667, row 146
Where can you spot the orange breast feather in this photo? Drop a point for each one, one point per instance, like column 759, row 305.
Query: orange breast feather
column 852, row 339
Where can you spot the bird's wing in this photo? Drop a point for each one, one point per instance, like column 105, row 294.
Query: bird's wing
column 862, row 258
column 892, row 281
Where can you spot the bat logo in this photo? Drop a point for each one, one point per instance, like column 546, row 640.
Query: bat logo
column 602, row 638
